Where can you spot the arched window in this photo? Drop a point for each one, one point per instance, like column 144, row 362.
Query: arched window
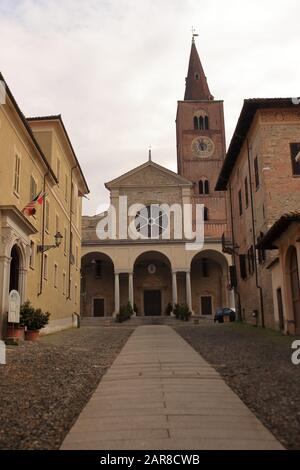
column 201, row 188
column 206, row 122
column 201, row 122
column 205, row 214
column 196, row 122
column 206, row 187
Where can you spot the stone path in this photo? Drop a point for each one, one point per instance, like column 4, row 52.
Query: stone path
column 160, row 394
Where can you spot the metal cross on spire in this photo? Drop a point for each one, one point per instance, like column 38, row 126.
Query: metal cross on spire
column 194, row 34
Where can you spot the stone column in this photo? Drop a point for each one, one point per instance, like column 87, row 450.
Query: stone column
column 174, row 288
column 117, row 294
column 188, row 290
column 130, row 289
column 4, row 288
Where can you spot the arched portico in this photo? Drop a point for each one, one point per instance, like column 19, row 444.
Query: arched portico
column 97, row 285
column 292, row 283
column 152, row 281
column 209, row 281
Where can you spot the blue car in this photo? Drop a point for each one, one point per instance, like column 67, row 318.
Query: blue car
column 222, row 312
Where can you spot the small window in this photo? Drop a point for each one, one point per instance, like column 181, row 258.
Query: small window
column 17, row 174
column 251, row 260
column 47, row 215
column 295, row 156
column 66, row 188
column 56, row 223
column 205, row 214
column 65, row 241
column 64, row 284
column 256, row 173
column 76, row 256
column 197, row 76
column 98, row 268
column 72, row 198
column 32, row 255
column 240, row 203
column 243, row 269
column 55, row 275
column 45, row 266
column 196, row 122
column 75, row 294
column 201, row 123
column 33, row 188
column 70, row 289
column 58, row 169
column 205, row 268
column 206, row 187
column 246, row 192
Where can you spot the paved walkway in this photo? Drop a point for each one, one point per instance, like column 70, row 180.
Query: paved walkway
column 160, row 394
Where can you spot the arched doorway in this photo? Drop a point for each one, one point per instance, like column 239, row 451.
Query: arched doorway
column 209, row 280
column 152, row 280
column 294, row 286
column 15, row 265
column 97, row 285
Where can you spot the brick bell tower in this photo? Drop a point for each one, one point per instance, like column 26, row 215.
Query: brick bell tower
column 201, row 147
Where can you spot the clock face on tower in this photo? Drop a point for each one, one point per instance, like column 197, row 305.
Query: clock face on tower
column 203, row 147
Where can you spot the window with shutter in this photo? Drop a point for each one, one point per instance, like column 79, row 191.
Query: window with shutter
column 256, row 173
column 295, row 157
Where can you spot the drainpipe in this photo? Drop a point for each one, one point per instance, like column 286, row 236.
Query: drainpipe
column 254, row 240
column 70, row 235
column 234, row 254
column 43, row 234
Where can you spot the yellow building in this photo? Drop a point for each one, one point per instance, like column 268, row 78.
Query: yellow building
column 36, row 155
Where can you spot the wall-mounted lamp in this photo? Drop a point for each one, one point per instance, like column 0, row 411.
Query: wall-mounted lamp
column 57, row 238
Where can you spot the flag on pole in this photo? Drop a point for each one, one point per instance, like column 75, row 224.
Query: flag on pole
column 30, row 208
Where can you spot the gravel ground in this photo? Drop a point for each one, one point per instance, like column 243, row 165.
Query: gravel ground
column 45, row 384
column 257, row 365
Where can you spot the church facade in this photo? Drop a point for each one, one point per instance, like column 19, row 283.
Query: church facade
column 156, row 269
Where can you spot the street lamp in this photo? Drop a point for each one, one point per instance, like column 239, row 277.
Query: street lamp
column 57, row 239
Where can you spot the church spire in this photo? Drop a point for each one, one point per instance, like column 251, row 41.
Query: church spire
column 196, row 87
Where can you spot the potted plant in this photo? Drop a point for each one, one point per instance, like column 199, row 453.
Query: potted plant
column 33, row 319
column 125, row 313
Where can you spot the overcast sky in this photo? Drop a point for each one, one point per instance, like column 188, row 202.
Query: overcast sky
column 115, row 69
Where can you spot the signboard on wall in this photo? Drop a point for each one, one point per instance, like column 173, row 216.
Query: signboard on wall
column 14, row 307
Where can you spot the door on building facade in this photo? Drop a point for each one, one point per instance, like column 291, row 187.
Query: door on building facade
column 280, row 309
column 295, row 288
column 98, row 307
column 206, row 305
column 152, row 302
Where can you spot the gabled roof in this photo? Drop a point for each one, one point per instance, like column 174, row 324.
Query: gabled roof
column 277, row 229
column 178, row 180
column 250, row 107
column 58, row 118
column 28, row 128
column 196, row 87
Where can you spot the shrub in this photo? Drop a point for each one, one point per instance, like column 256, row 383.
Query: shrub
column 169, row 309
column 33, row 319
column 125, row 313
column 182, row 312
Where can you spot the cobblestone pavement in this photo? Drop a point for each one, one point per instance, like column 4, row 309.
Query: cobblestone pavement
column 45, row 384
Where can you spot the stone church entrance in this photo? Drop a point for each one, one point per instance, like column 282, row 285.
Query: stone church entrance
column 152, row 302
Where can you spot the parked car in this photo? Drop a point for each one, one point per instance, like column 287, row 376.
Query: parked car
column 224, row 312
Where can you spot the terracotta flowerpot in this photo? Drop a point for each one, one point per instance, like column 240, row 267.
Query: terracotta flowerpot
column 32, row 335
column 15, row 332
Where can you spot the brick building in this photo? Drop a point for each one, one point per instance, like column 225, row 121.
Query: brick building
column 261, row 174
